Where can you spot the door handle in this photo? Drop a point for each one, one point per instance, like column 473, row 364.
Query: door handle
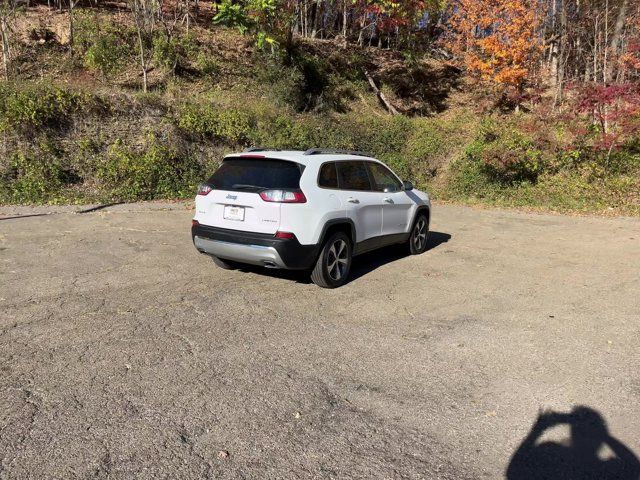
column 387, row 200
column 353, row 200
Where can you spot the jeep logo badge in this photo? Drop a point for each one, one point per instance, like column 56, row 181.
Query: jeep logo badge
column 232, row 197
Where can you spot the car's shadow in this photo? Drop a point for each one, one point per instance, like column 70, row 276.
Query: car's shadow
column 362, row 264
column 368, row 262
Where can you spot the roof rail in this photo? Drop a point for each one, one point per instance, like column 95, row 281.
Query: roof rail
column 261, row 149
column 329, row 151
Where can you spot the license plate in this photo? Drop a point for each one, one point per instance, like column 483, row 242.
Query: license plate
column 234, row 213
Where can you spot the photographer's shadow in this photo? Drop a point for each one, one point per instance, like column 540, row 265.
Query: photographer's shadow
column 582, row 457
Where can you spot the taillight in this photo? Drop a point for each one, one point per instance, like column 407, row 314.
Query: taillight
column 287, row 235
column 283, row 196
column 204, row 190
column 195, row 223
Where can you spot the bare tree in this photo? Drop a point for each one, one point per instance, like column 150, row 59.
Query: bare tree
column 561, row 54
column 170, row 20
column 345, row 19
column 615, row 38
column 185, row 6
column 8, row 10
column 72, row 5
column 145, row 14
column 317, row 19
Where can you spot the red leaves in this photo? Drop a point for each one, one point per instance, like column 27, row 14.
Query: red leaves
column 630, row 60
column 394, row 15
column 614, row 109
column 597, row 95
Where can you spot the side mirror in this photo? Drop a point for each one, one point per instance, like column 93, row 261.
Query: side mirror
column 407, row 186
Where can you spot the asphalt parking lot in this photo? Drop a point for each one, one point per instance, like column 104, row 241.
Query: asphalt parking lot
column 126, row 354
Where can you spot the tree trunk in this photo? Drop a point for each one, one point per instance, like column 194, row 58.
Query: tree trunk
column 4, row 32
column 595, row 50
column 143, row 62
column 188, row 17
column 381, row 96
column 605, row 61
column 304, row 17
column 345, row 20
column 561, row 60
column 553, row 47
column 295, row 26
column 615, row 39
column 317, row 19
column 72, row 5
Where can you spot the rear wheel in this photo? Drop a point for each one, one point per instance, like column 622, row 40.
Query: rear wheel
column 334, row 262
column 419, row 235
column 224, row 264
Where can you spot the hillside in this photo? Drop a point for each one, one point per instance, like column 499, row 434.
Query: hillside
column 76, row 126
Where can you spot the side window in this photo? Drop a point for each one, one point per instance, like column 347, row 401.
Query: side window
column 353, row 176
column 383, row 179
column 328, row 177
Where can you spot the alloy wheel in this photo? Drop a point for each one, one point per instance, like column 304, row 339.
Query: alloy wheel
column 420, row 234
column 337, row 259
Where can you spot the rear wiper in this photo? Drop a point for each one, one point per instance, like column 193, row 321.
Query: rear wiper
column 243, row 185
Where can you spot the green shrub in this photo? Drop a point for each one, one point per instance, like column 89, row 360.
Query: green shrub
column 232, row 126
column 625, row 160
column 317, row 87
column 468, row 179
column 601, row 163
column 107, row 54
column 304, row 83
column 280, row 131
column 331, row 132
column 105, row 45
column 506, row 155
column 302, row 131
column 284, row 84
column 383, row 135
column 232, row 15
column 512, row 161
column 425, row 142
column 174, row 53
column 156, row 171
column 87, row 26
column 206, row 64
column 31, row 178
column 166, row 52
column 37, row 106
column 385, row 138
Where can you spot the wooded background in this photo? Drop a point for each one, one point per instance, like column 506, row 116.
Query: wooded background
column 514, row 43
column 535, row 101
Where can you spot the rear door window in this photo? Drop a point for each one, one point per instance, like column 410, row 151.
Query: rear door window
column 353, row 176
column 328, row 176
column 248, row 174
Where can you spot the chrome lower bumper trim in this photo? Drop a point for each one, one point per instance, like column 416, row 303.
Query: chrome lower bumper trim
column 251, row 254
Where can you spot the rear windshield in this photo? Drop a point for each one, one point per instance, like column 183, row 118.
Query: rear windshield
column 256, row 174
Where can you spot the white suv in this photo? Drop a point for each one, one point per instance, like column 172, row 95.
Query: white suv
column 310, row 210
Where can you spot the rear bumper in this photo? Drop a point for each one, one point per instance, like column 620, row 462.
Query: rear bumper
column 250, row 254
column 254, row 248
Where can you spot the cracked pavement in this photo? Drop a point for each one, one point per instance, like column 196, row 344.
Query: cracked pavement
column 126, row 354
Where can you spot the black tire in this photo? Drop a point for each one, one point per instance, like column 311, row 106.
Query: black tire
column 334, row 262
column 224, row 264
column 419, row 238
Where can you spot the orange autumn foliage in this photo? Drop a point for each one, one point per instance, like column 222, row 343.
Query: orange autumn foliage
column 499, row 40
